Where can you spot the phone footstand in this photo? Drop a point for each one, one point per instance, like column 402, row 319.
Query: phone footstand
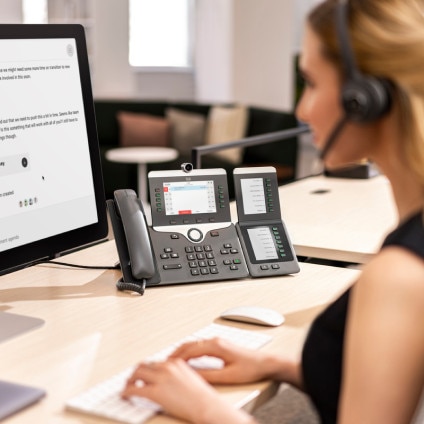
column 134, row 287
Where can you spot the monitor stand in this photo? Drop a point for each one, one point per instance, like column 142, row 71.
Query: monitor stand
column 12, row 325
column 15, row 397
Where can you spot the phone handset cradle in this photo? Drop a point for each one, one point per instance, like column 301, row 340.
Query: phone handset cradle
column 133, row 243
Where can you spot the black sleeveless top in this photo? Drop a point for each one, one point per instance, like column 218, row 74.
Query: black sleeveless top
column 323, row 350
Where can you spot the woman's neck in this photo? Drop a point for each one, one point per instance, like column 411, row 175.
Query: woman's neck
column 408, row 195
column 407, row 191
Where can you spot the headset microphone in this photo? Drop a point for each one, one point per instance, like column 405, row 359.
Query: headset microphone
column 333, row 136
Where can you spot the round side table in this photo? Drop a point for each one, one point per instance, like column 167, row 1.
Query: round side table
column 142, row 156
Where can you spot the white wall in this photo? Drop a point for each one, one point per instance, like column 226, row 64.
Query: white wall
column 10, row 11
column 244, row 53
column 263, row 53
column 214, row 51
column 111, row 74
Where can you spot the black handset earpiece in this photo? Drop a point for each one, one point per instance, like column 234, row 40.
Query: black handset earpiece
column 364, row 98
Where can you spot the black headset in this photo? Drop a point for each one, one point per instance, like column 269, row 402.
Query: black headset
column 364, row 98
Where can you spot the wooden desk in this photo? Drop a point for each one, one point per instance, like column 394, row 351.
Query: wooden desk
column 338, row 219
column 92, row 332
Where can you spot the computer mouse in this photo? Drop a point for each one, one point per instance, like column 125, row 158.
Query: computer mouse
column 254, row 315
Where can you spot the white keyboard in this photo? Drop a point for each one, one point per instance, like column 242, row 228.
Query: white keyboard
column 104, row 399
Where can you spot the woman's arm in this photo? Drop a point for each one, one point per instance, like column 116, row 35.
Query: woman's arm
column 242, row 365
column 383, row 372
column 184, row 393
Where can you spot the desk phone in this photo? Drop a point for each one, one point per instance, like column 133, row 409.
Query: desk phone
column 263, row 236
column 192, row 238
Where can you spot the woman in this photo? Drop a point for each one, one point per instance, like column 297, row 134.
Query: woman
column 363, row 360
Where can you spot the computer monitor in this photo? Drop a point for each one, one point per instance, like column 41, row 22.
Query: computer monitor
column 51, row 189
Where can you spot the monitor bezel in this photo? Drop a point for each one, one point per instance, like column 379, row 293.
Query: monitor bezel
column 57, row 245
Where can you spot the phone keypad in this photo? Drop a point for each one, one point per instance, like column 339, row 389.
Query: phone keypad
column 218, row 257
column 201, row 259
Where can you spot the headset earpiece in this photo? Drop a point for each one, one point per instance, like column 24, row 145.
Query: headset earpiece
column 364, row 98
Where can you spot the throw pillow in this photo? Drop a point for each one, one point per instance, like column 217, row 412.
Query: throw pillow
column 138, row 129
column 187, row 129
column 227, row 124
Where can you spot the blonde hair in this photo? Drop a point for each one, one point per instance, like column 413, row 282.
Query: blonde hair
column 387, row 38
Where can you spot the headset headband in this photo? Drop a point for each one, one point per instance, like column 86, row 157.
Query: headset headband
column 346, row 51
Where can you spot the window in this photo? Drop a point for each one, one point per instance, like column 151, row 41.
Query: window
column 160, row 33
column 34, row 11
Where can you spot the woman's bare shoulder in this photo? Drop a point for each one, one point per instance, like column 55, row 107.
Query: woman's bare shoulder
column 392, row 285
column 393, row 267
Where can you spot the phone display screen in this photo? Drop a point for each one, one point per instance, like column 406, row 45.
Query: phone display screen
column 189, row 197
column 253, row 195
column 256, row 191
column 262, row 242
column 180, row 198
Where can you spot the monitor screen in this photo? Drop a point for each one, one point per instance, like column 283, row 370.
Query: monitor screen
column 51, row 188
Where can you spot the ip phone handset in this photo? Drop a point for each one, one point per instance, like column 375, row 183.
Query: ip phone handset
column 132, row 240
column 263, row 235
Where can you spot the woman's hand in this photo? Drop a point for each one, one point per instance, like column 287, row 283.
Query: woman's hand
column 182, row 393
column 241, row 365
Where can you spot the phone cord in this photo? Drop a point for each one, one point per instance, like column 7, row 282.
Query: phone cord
column 134, row 287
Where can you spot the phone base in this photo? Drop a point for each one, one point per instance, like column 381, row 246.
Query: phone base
column 218, row 257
